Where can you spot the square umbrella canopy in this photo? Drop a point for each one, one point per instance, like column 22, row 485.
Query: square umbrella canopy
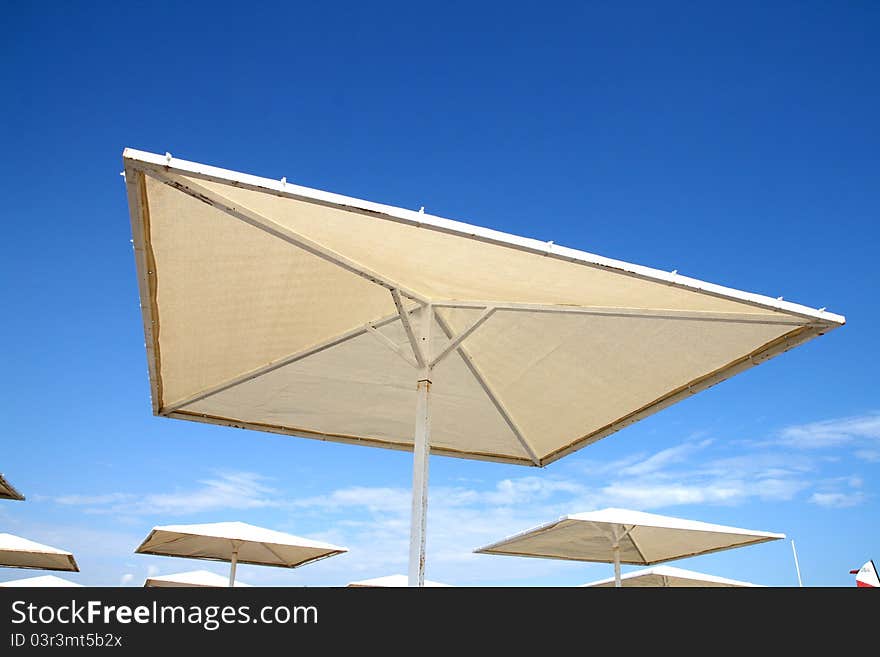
column 192, row 578
column 43, row 581
column 7, row 491
column 625, row 536
column 236, row 542
column 389, row 580
column 17, row 552
column 280, row 308
column 670, row 577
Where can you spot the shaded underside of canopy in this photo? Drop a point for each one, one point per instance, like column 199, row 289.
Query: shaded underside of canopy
column 644, row 538
column 670, row 577
column 269, row 306
column 18, row 552
column 218, row 541
column 192, row 578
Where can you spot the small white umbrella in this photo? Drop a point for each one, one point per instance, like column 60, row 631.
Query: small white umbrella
column 625, row 536
column 18, row 552
column 670, row 577
column 7, row 490
column 43, row 581
column 236, row 542
column 389, row 580
column 196, row 578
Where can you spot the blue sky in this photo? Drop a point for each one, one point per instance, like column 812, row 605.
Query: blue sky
column 734, row 142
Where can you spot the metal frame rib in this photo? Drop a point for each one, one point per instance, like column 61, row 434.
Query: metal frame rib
column 272, row 227
column 499, row 405
column 167, row 409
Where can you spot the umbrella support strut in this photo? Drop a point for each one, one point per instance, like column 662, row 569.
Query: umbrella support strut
column 233, row 562
column 615, row 548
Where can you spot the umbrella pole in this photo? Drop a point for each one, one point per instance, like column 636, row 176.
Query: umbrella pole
column 617, row 583
column 420, row 487
column 232, row 566
column 421, row 452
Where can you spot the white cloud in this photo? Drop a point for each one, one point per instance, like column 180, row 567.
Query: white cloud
column 832, row 433
column 126, row 579
column 837, row 500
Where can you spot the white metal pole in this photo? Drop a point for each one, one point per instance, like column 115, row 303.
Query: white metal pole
column 232, row 566
column 421, row 453
column 617, row 583
column 796, row 564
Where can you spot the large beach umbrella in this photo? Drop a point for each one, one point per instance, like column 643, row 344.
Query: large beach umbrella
column 670, row 577
column 236, row 542
column 389, row 580
column 192, row 578
column 280, row 308
column 7, row 491
column 43, row 581
column 624, row 536
column 17, row 552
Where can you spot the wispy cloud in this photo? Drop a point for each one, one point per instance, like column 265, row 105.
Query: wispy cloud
column 231, row 490
column 837, row 500
column 665, row 458
column 832, row 433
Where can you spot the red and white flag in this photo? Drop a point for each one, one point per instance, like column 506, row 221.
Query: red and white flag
column 866, row 576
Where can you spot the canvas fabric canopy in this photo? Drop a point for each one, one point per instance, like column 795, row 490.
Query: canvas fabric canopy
column 7, row 491
column 252, row 545
column 192, row 578
column 643, row 538
column 280, row 308
column 670, row 577
column 43, row 581
column 17, row 552
column 389, row 580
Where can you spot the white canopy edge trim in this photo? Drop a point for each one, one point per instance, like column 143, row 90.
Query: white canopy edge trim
column 195, row 416
column 139, row 215
column 154, row 163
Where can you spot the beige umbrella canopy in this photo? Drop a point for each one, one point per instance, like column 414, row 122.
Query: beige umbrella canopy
column 624, row 536
column 43, row 581
column 17, row 552
column 7, row 491
column 280, row 308
column 670, row 577
column 236, row 542
column 193, row 578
